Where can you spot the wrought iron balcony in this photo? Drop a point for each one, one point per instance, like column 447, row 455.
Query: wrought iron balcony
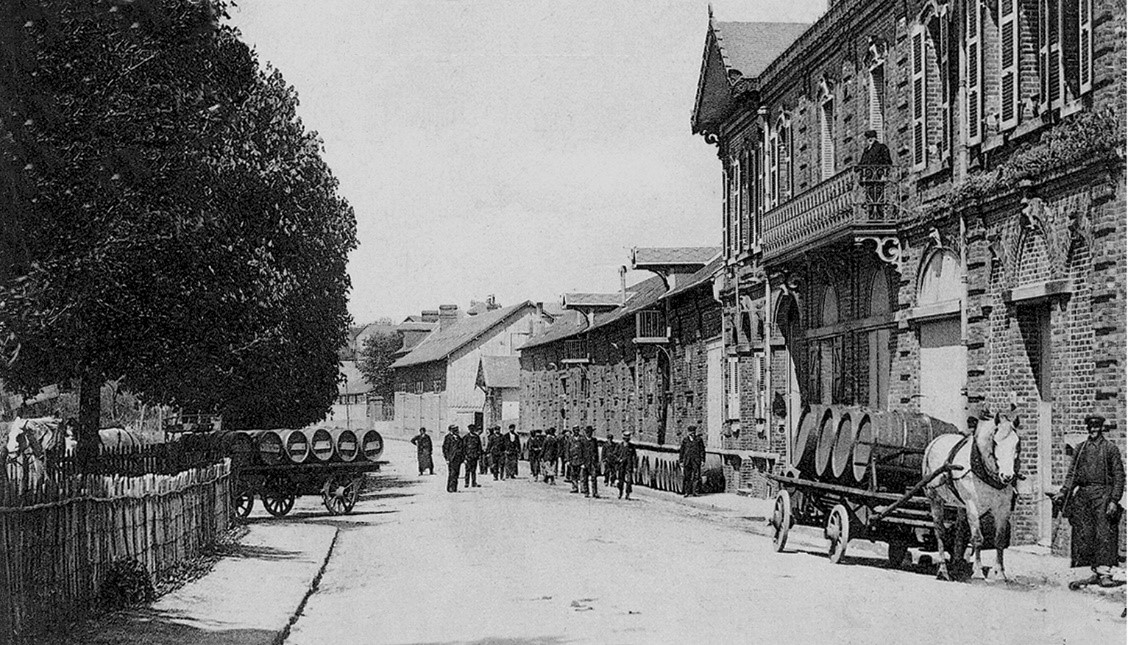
column 859, row 202
column 650, row 327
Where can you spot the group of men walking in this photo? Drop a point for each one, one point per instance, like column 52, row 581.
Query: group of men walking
column 468, row 454
column 576, row 453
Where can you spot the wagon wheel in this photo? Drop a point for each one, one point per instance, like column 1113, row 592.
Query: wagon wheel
column 838, row 532
column 244, row 503
column 340, row 493
column 898, row 551
column 781, row 518
column 278, row 497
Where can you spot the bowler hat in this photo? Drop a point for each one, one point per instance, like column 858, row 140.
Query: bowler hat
column 1094, row 421
column 871, row 134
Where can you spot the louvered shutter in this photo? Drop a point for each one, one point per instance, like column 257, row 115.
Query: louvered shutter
column 727, row 215
column 942, row 58
column 1050, row 54
column 974, row 70
column 1085, row 44
column 919, row 133
column 749, row 199
column 1008, row 57
column 773, row 170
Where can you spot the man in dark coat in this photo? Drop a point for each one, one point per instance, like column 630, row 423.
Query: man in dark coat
column 452, row 453
column 625, row 463
column 691, row 455
column 1091, row 495
column 550, row 454
column 876, row 152
column 471, row 453
column 423, row 449
column 495, row 448
column 512, row 451
column 575, row 458
column 874, row 173
column 589, row 470
column 610, row 458
column 536, row 447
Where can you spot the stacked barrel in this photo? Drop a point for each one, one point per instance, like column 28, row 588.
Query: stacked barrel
column 291, row 447
column 856, row 446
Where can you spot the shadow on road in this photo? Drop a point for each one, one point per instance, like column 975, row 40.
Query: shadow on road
column 151, row 627
column 524, row 640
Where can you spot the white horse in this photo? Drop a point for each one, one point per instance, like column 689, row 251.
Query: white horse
column 28, row 442
column 988, row 462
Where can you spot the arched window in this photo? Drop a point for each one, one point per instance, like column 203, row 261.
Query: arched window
column 940, row 279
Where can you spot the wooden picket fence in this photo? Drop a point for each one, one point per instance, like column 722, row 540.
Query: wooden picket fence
column 58, row 540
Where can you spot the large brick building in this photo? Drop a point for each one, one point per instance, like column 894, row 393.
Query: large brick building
column 985, row 268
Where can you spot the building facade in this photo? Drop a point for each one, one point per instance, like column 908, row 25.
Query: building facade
column 985, row 269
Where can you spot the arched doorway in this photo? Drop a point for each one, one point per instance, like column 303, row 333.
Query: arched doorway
column 943, row 356
column 790, row 326
column 880, row 356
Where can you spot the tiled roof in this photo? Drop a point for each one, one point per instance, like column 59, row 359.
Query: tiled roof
column 594, row 299
column 749, row 47
column 501, row 371
column 646, row 293
column 666, row 256
column 442, row 343
column 417, row 326
column 703, row 275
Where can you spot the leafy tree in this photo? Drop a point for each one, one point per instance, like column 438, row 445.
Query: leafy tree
column 177, row 227
column 376, row 360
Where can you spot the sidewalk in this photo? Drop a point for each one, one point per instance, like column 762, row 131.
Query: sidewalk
column 249, row 598
column 1026, row 565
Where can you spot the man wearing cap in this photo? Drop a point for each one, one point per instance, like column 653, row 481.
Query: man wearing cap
column 610, row 458
column 495, row 449
column 625, row 463
column 575, row 458
column 1091, row 495
column 550, row 453
column 423, row 450
column 874, row 171
column 452, row 453
column 589, row 468
column 512, row 451
column 536, row 448
column 471, row 453
column 691, row 455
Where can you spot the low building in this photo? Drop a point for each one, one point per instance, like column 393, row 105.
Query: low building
column 499, row 377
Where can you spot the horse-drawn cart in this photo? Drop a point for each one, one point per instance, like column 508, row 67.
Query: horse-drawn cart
column 278, row 466
column 862, row 474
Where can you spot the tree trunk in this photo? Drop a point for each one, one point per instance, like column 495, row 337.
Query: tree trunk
column 89, row 420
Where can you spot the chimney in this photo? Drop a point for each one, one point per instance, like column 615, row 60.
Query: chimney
column 430, row 316
column 491, row 303
column 447, row 315
column 623, row 285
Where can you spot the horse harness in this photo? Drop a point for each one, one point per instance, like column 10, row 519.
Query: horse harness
column 978, row 466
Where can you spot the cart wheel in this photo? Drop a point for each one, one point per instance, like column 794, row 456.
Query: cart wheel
column 244, row 503
column 897, row 554
column 278, row 497
column 838, row 532
column 339, row 494
column 781, row 518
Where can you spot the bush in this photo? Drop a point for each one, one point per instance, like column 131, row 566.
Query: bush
column 126, row 584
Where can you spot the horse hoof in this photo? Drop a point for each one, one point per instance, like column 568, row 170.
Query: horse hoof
column 943, row 575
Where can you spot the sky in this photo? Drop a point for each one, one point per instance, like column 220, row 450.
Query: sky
column 514, row 148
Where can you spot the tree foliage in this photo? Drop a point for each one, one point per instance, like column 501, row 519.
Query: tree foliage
column 376, row 358
column 176, row 226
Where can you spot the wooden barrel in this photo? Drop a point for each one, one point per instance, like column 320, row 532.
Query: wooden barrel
column 321, row 443
column 296, row 444
column 806, row 438
column 895, row 443
column 842, row 455
column 863, row 445
column 270, row 447
column 828, row 431
column 347, row 445
column 239, row 445
column 372, row 445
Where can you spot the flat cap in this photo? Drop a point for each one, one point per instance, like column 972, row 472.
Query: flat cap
column 1094, row 421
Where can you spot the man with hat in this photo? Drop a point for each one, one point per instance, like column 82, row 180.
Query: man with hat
column 575, row 458
column 512, row 451
column 625, row 463
column 1090, row 496
column 535, row 446
column 452, row 453
column 609, row 457
column 471, row 453
column 423, row 451
column 589, row 467
column 874, row 169
column 495, row 448
column 550, row 453
column 691, row 455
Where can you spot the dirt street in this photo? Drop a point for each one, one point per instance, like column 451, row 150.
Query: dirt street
column 523, row 562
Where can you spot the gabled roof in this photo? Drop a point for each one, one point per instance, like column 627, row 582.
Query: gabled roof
column 702, row 276
column 609, row 300
column 499, row 371
column 417, row 326
column 646, row 293
column 736, row 53
column 444, row 342
column 688, row 256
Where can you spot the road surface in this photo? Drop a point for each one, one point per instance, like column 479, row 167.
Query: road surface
column 523, row 562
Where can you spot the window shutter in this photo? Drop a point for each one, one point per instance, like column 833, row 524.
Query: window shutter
column 773, row 170
column 1085, row 44
column 727, row 215
column 827, row 138
column 877, row 101
column 920, row 135
column 738, row 196
column 749, row 199
column 1050, row 54
column 1008, row 56
column 943, row 60
column 974, row 70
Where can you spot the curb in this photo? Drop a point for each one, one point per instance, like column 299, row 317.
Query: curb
column 284, row 633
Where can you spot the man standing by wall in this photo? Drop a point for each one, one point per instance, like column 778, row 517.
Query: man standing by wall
column 550, row 453
column 691, row 456
column 452, row 453
column 625, row 463
column 423, row 450
column 1091, row 494
column 471, row 453
column 512, row 451
column 610, row 458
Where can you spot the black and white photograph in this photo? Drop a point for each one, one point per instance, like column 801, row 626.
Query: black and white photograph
column 556, row 322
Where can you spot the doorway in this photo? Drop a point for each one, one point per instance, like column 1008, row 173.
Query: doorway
column 1034, row 326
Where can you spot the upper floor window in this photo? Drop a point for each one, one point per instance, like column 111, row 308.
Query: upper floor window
column 782, row 177
column 931, row 85
column 1065, row 51
column 877, row 98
